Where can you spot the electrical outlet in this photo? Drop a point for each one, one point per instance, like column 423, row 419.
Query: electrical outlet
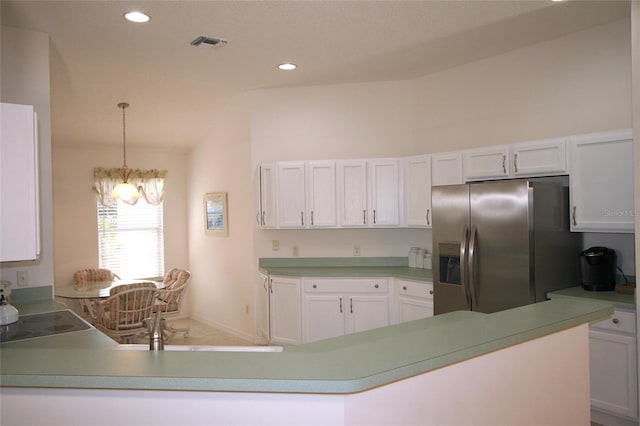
column 23, row 278
column 295, row 251
column 356, row 250
column 275, row 245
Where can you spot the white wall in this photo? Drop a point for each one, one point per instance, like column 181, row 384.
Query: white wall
column 25, row 80
column 74, row 207
column 222, row 269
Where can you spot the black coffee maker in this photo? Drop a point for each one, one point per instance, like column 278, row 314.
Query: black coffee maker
column 598, row 266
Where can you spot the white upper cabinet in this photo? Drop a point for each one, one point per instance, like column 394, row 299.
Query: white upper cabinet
column 446, row 168
column 601, row 182
column 486, row 163
column 527, row 159
column 417, row 191
column 291, row 195
column 19, row 238
column 369, row 193
column 321, row 194
column 266, row 215
column 385, row 193
column 538, row 158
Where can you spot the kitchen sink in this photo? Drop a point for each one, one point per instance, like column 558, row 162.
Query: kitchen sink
column 201, row 348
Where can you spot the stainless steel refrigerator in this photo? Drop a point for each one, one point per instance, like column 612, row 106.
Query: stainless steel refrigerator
column 502, row 244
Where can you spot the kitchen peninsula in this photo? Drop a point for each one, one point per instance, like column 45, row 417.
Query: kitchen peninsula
column 415, row 372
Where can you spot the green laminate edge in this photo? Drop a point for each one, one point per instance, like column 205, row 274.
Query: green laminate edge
column 618, row 300
column 341, row 365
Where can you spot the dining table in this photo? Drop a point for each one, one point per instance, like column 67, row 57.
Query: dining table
column 87, row 294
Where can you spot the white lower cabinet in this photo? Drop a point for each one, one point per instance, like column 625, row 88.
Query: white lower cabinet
column 413, row 300
column 284, row 310
column 614, row 383
column 334, row 307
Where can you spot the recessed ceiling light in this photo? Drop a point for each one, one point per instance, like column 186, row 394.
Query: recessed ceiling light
column 287, row 67
column 136, row 16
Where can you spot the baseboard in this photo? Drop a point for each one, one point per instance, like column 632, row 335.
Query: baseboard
column 226, row 329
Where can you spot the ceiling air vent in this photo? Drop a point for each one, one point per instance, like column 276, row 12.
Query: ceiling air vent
column 207, row 40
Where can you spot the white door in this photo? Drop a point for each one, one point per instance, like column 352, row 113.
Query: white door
column 352, row 192
column 545, row 157
column 613, row 373
column 602, row 182
column 486, row 163
column 417, row 191
column 365, row 312
column 291, row 195
column 385, row 193
column 446, row 168
column 321, row 190
column 267, row 214
column 284, row 312
column 19, row 216
column 413, row 308
column 323, row 316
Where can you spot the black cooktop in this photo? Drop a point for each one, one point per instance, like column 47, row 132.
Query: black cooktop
column 44, row 324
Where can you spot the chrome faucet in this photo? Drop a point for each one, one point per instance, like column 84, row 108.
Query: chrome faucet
column 156, row 333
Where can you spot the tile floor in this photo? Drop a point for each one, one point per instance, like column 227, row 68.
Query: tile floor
column 200, row 334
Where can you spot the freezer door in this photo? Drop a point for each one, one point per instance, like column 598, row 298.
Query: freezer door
column 450, row 206
column 500, row 243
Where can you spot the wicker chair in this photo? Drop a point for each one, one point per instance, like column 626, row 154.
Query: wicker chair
column 122, row 314
column 89, row 278
column 170, row 299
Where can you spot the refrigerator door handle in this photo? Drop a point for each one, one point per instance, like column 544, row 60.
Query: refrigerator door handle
column 472, row 267
column 463, row 265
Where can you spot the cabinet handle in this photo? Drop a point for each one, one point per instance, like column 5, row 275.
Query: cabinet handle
column 430, row 291
column 515, row 163
column 404, row 287
column 341, row 305
column 573, row 216
column 311, row 217
column 350, row 305
column 615, row 320
column 376, row 286
column 263, row 218
column 374, row 216
column 364, row 217
column 302, row 218
column 315, row 286
column 271, row 285
column 258, row 218
column 504, row 164
column 428, row 214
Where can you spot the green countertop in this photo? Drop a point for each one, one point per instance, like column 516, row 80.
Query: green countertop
column 345, row 364
column 618, row 300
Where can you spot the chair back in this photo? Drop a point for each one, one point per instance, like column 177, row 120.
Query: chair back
column 170, row 298
column 128, row 306
column 86, row 277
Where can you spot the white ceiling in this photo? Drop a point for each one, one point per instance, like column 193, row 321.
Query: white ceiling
column 98, row 59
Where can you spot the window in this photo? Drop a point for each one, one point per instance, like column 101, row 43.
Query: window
column 130, row 239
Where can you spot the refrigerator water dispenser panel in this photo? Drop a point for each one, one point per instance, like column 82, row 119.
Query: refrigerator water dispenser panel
column 449, row 258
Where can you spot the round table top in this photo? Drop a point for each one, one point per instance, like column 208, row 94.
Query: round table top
column 98, row 289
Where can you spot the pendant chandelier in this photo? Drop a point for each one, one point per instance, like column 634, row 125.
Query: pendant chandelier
column 124, row 190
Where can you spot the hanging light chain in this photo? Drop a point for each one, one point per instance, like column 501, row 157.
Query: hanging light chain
column 124, row 105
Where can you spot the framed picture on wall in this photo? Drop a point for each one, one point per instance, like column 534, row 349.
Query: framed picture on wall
column 215, row 214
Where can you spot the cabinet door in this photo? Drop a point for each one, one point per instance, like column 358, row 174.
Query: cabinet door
column 284, row 313
column 366, row 312
column 446, row 169
column 352, row 203
column 385, row 193
column 267, row 202
column 613, row 373
column 291, row 195
column 486, row 163
column 414, row 300
column 602, row 182
column 539, row 158
column 417, row 191
column 323, row 316
column 19, row 238
column 321, row 190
